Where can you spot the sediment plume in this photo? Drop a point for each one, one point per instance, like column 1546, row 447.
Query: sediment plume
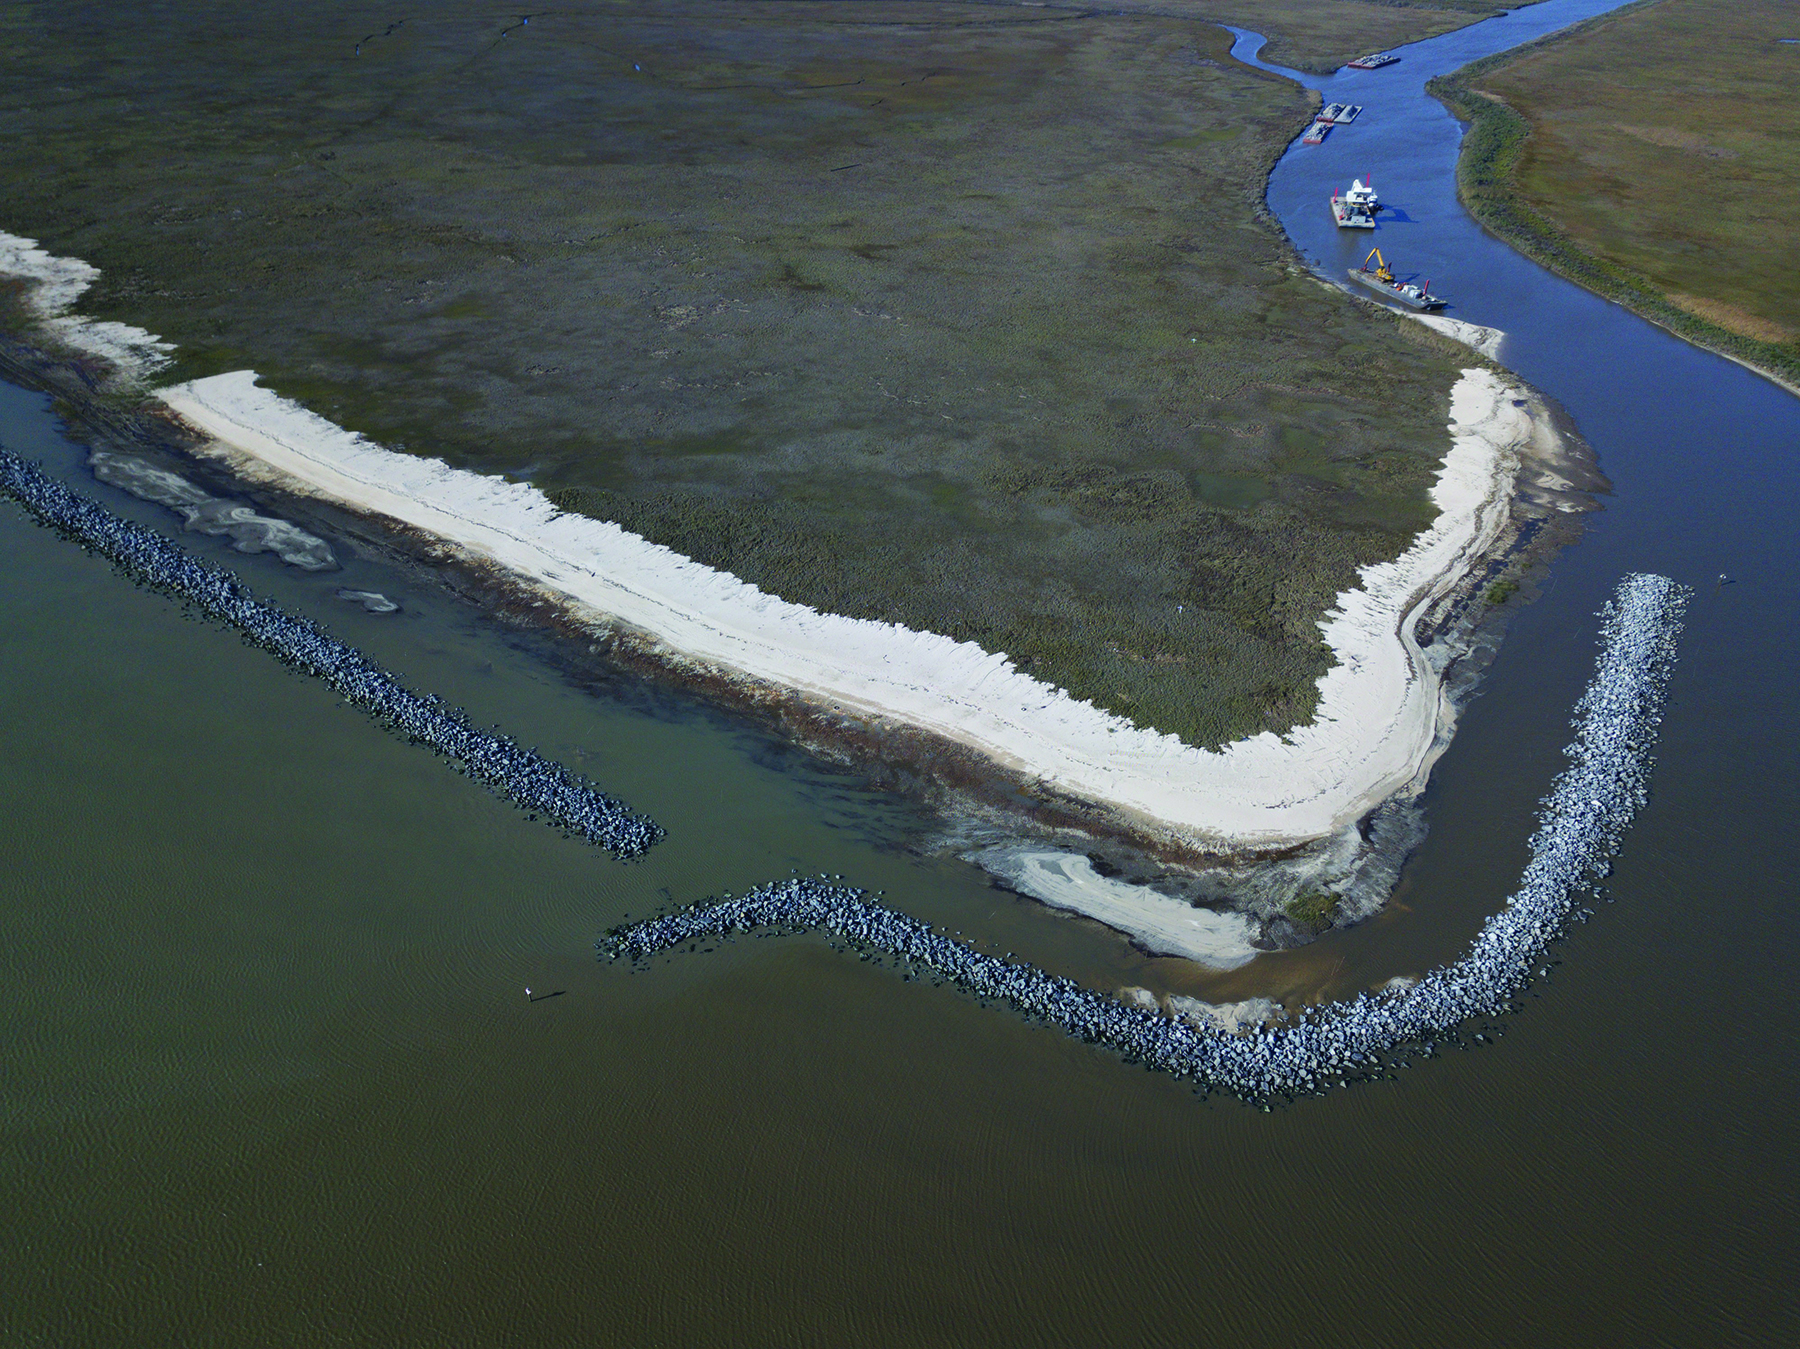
column 529, row 780
column 1581, row 824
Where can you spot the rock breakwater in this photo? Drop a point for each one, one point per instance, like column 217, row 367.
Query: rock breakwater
column 1581, row 824
column 510, row 770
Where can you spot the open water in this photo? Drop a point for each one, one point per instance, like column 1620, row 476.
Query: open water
column 269, row 1073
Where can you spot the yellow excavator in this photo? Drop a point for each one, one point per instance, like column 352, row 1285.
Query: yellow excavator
column 1382, row 282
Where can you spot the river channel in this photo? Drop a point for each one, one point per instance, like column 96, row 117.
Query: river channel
column 269, row 1072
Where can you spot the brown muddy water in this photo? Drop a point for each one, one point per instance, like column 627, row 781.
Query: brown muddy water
column 269, row 1073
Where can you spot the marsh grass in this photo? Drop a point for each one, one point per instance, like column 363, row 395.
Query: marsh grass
column 1312, row 911
column 1321, row 35
column 955, row 316
column 1651, row 156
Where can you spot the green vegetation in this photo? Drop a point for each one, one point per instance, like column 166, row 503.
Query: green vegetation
column 959, row 316
column 1321, row 35
column 1651, row 155
column 1313, row 911
column 1502, row 591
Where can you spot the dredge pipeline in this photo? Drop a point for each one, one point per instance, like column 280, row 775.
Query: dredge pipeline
column 531, row 781
column 1581, row 823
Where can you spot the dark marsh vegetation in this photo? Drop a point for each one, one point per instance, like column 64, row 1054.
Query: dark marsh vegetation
column 966, row 317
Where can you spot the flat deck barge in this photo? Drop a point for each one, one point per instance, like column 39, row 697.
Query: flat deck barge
column 1408, row 293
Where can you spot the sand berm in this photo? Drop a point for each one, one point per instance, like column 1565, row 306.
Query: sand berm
column 1383, row 713
column 1380, row 712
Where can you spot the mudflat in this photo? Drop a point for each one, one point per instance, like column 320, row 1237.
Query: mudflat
column 959, row 317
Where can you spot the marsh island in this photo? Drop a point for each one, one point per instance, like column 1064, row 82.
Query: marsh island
column 961, row 322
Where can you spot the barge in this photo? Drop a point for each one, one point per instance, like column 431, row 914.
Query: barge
column 1316, row 133
column 1382, row 282
column 1355, row 208
column 1373, row 61
column 1340, row 114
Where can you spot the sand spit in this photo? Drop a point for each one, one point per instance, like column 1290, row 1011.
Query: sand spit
column 52, row 285
column 526, row 778
column 1485, row 340
column 1381, row 710
column 1159, row 924
column 1580, row 828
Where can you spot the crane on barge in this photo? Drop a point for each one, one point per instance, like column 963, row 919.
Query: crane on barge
column 1382, row 281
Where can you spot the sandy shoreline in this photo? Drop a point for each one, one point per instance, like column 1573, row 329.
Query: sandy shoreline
column 52, row 285
column 1485, row 340
column 1383, row 714
column 1380, row 707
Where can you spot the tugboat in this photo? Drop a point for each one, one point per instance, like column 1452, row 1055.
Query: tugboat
column 1373, row 61
column 1355, row 209
column 1381, row 280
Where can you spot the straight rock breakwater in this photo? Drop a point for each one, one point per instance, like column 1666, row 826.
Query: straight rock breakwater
column 1581, row 823
column 524, row 777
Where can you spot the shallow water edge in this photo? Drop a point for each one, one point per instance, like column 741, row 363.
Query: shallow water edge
column 1580, row 828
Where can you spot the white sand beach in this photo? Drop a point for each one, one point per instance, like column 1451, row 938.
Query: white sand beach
column 1379, row 712
column 1483, row 339
column 53, row 285
column 1382, row 717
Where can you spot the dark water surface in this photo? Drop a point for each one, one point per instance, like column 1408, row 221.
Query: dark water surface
column 268, row 1074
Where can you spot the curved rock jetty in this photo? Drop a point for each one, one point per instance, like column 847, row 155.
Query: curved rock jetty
column 524, row 777
column 1581, row 823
